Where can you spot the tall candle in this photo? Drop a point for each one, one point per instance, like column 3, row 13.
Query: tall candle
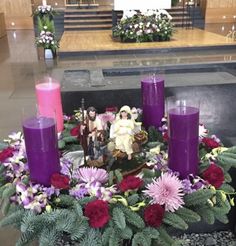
column 48, row 93
column 153, row 101
column 44, row 2
column 41, row 148
column 183, row 140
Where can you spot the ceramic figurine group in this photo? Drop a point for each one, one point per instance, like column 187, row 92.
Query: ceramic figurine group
column 121, row 134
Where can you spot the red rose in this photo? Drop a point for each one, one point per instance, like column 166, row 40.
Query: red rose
column 153, row 215
column 111, row 109
column 130, row 183
column 165, row 136
column 60, row 181
column 75, row 131
column 6, row 153
column 210, row 143
column 214, row 175
column 98, row 213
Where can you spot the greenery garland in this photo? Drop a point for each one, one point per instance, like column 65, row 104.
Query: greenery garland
column 122, row 210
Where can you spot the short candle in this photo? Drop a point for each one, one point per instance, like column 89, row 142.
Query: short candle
column 41, row 148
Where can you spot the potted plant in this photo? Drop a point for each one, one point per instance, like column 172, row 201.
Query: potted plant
column 46, row 41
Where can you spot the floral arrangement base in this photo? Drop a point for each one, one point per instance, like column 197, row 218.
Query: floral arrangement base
column 94, row 206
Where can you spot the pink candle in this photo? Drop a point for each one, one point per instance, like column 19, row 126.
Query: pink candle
column 48, row 95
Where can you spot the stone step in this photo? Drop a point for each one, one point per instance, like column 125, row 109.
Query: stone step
column 88, row 16
column 88, row 22
column 87, row 27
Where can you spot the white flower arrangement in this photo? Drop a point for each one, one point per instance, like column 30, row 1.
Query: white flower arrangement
column 144, row 26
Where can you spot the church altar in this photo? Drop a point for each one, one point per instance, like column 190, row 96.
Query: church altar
column 140, row 4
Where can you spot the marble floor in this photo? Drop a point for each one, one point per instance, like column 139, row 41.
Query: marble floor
column 20, row 68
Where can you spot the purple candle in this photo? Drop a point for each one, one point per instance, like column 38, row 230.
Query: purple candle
column 183, row 140
column 153, row 101
column 41, row 149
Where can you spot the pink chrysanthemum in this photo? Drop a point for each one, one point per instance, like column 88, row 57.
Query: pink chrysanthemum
column 166, row 190
column 92, row 174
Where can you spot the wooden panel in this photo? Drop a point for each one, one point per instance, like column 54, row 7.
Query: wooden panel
column 220, row 15
column 2, row 25
column 221, row 3
column 203, row 4
column 19, row 23
column 18, row 12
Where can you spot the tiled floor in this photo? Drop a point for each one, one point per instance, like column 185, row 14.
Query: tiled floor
column 20, row 68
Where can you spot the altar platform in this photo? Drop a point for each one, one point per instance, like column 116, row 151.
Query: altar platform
column 101, row 42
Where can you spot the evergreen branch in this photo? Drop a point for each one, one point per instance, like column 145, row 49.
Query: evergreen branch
column 175, row 221
column 79, row 230
column 78, row 208
column 92, row 238
column 13, row 218
column 48, row 237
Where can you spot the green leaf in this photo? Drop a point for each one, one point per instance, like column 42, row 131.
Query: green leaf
column 70, row 139
column 3, row 145
column 126, row 233
column 227, row 177
column 174, row 220
column 61, row 144
column 188, row 215
column 207, row 215
column 118, row 175
column 226, row 162
column 119, row 218
column 222, row 218
column 140, row 239
column 9, row 191
column 133, row 218
column 106, row 235
column 151, row 232
column 227, row 188
column 133, row 199
column 148, row 173
column 165, row 238
column 198, row 197
column 111, row 178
